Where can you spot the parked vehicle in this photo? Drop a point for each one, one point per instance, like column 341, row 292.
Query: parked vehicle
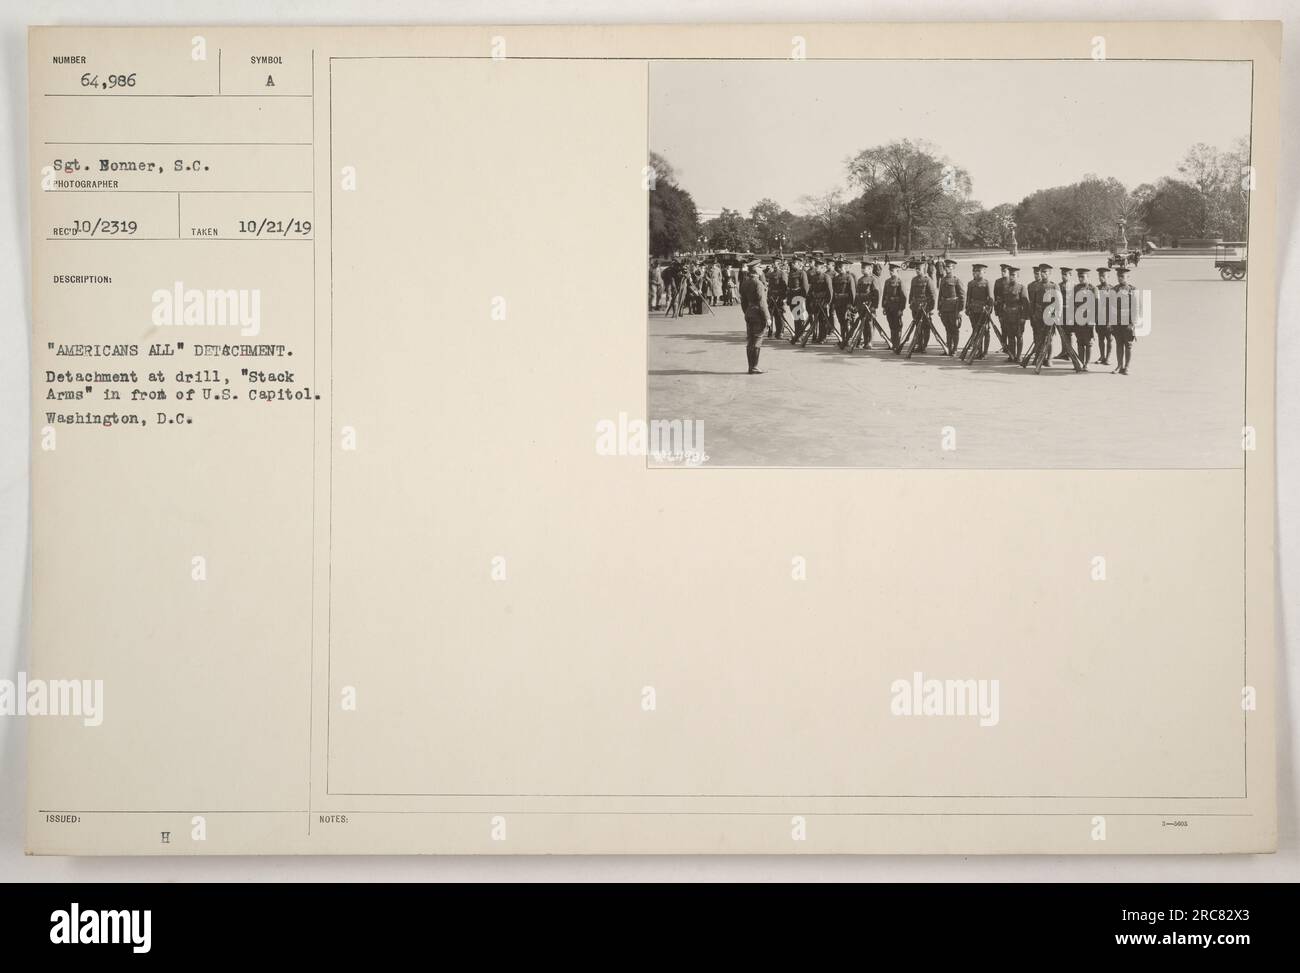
column 1230, row 260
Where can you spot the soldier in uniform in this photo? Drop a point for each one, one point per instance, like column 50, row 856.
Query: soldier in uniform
column 922, row 297
column 1041, row 293
column 979, row 304
column 845, row 296
column 893, row 300
column 952, row 301
column 1065, row 317
column 1104, row 340
column 753, row 302
column 999, row 286
column 821, row 293
column 796, row 294
column 1015, row 309
column 1053, row 311
column 776, row 284
column 1123, row 320
column 1085, row 313
column 867, row 300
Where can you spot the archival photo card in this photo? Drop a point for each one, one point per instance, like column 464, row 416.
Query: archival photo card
column 778, row 439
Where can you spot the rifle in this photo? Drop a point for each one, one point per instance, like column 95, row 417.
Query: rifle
column 707, row 306
column 993, row 323
column 1035, row 348
column 852, row 328
column 685, row 290
column 1044, row 349
column 884, row 337
column 862, row 314
column 981, row 328
column 1002, row 342
column 906, row 336
column 926, row 321
column 816, row 308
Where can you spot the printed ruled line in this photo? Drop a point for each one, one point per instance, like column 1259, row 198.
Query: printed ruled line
column 781, row 814
column 88, row 94
column 315, row 327
column 105, row 142
column 187, row 192
column 172, row 239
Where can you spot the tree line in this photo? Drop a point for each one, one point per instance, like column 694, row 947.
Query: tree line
column 908, row 196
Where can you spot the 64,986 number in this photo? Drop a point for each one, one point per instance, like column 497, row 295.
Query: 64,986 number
column 89, row 80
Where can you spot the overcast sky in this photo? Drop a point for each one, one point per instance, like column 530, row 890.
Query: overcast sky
column 739, row 131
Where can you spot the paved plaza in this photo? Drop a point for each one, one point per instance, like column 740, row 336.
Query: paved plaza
column 1180, row 406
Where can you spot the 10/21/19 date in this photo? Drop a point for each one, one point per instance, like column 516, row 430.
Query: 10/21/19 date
column 266, row 226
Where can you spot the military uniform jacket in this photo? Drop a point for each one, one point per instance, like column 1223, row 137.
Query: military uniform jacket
column 999, row 293
column 893, row 297
column 922, row 294
column 753, row 292
column 1036, row 293
column 822, row 287
column 1122, row 301
column 797, row 284
column 844, row 286
column 867, row 295
column 1066, row 290
column 1050, row 309
column 1015, row 302
column 1085, row 305
column 979, row 298
column 952, row 295
column 1104, row 293
column 776, row 286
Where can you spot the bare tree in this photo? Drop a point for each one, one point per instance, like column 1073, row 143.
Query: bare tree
column 923, row 184
column 823, row 209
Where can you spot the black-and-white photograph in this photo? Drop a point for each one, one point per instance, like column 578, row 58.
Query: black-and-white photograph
column 966, row 263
